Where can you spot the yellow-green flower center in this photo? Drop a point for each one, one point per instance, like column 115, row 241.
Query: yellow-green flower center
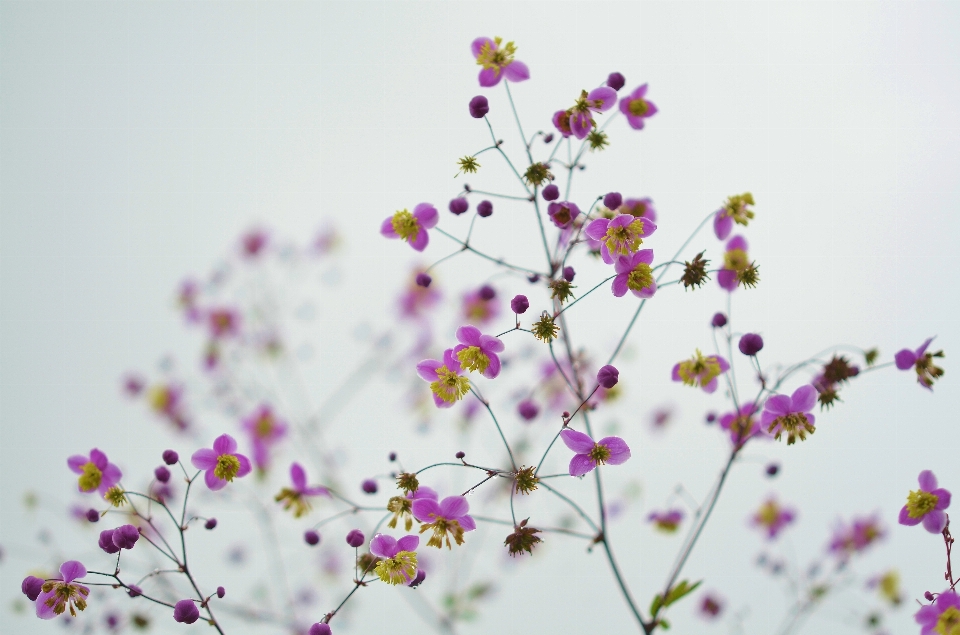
column 115, row 496
column 949, row 622
column 405, row 225
column 495, row 57
column 769, row 514
column 91, row 477
column 794, row 424
column 64, row 596
column 449, row 386
column 920, row 503
column 227, row 467
column 472, row 358
column 400, row 506
column 736, row 259
column 624, row 239
column 399, row 569
column 638, row 107
column 292, row 499
column 600, row 454
column 159, row 398
column 264, row 427
column 442, row 528
column 699, row 370
column 640, row 278
column 736, row 208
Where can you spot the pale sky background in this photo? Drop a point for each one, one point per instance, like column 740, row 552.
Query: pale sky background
column 137, row 140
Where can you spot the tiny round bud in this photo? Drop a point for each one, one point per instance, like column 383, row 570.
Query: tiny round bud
column 711, row 417
column 162, row 474
column 613, row 200
column 460, row 454
column 355, row 538
column 311, row 537
column 773, row 469
column 565, row 414
column 533, row 278
column 487, row 292
column 547, row 138
column 423, row 280
column 519, row 304
column 608, row 376
column 928, row 595
column 186, row 612
column 393, row 456
column 320, row 629
column 751, row 344
column 170, row 457
column 719, row 319
column 550, row 193
column 211, row 523
column 616, row 81
column 484, row 209
column 369, row 486
column 479, row 107
column 569, row 273
column 458, row 205
column 221, row 592
column 93, row 515
column 528, row 410
column 134, row 591
column 126, row 536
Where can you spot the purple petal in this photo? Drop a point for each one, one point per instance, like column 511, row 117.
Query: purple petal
column 422, row 509
column 467, row 522
column 619, row 451
column 604, row 94
column 450, row 361
column 597, row 229
column 386, row 228
column 675, row 373
column 722, row 224
column 905, row 359
column 927, row 613
column 45, row 612
column 384, row 546
column 489, row 77
column 427, row 369
column 711, row 386
column 224, row 444
column 298, row 476
column 635, row 122
column 491, row 344
column 737, row 242
column 804, row 398
column 778, row 404
column 648, row 291
column 905, row 518
column 317, row 490
column 423, row 492
column 576, row 441
column 934, row 521
column 493, row 369
column 408, row 543
column 923, row 347
column 213, row 482
column 440, row 403
column 468, row 335
column 454, row 506
column 605, row 253
column 71, row 570
column 204, row 459
column 516, row 71
column 727, row 279
column 943, row 498
column 477, row 45
column 651, row 109
column 648, row 228
column 244, row 465
column 99, row 459
column 619, row 286
column 421, row 241
column 76, row 463
column 427, row 215
column 928, row 482
column 766, row 418
column 811, row 419
column 644, row 255
column 580, row 464
column 724, row 366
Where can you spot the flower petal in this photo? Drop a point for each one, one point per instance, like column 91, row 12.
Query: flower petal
column 727, row 279
column 493, row 369
column 619, row 451
column 943, row 498
column 489, row 77
column 468, row 335
column 778, row 404
column 928, row 482
column 244, row 465
column 905, row 518
column 386, row 228
column 737, row 242
column 45, row 612
column 213, row 482
column 408, row 543
column 905, row 359
column 427, row 369
column 934, row 521
column 804, row 398
column 619, row 286
column 427, row 215
column 491, row 344
column 76, row 463
column 384, row 546
column 576, row 441
column 421, row 241
column 711, row 386
column 477, row 45
column 422, row 509
column 722, row 224
column 224, row 444
column 516, row 71
column 467, row 522
column 298, row 476
column 71, row 570
column 204, row 459
column 99, row 459
column 581, row 464
column 605, row 95
column 648, row 291
column 454, row 506
column 597, row 229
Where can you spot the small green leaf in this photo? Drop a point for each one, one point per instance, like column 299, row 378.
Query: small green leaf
column 656, row 604
column 679, row 591
column 665, row 625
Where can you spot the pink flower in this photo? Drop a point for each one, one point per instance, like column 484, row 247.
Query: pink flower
column 265, row 430
column 666, row 521
column 478, row 352
column 856, row 537
column 943, row 616
column 773, row 518
column 637, row 108
column 790, row 414
column 742, row 424
column 60, row 595
column 621, row 236
column 497, row 61
column 412, row 227
column 223, row 322
column 634, row 274
column 447, row 382
column 222, row 463
column 926, row 505
column 399, row 559
column 447, row 518
column 922, row 362
column 735, row 260
column 590, row 454
column 700, row 371
column 97, row 474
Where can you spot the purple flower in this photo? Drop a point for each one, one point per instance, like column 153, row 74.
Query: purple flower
column 580, row 119
column 446, row 518
column 700, row 371
column 399, row 558
column 479, row 107
column 369, row 486
column 742, row 424
column 253, row 242
column 620, row 236
column 355, row 538
column 186, row 612
column 162, row 474
column 612, row 450
column 412, row 227
column 497, row 62
column 856, row 537
column 447, row 383
column 926, row 505
column 93, row 516
column 790, row 414
column 60, row 595
column 31, row 587
column 719, row 320
column 417, row 298
column 550, row 193
column 562, row 214
column 320, row 629
column 519, row 304
column 96, row 472
column 750, row 344
column 265, row 431
column 616, row 81
column 311, row 537
column 921, row 361
column 666, row 521
column 735, row 260
column 222, row 463
column 639, row 207
column 736, row 209
column 612, row 200
column 608, row 376
column 561, row 121
column 170, row 457
column 710, row 607
column 569, row 273
column 773, row 518
column 528, row 410
column 484, row 209
column 634, row 274
column 296, row 497
column 125, row 536
column 480, row 306
column 223, row 322
column 636, row 108
column 134, row 591
column 943, row 616
column 210, row 524
column 478, row 352
column 423, row 280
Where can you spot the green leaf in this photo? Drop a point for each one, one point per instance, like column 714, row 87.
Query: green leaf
column 677, row 592
column 665, row 625
column 656, row 604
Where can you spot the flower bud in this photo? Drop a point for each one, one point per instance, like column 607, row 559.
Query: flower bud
column 751, row 344
column 311, row 537
column 613, row 200
column 186, row 612
column 711, row 417
column 550, row 193
column 484, row 209
column 93, row 515
column 928, row 595
column 773, row 469
column 393, row 456
column 616, row 81
column 487, row 292
column 125, row 536
column 458, row 205
column 134, row 591
column 608, row 376
column 423, row 280
column 519, row 304
column 320, row 629
column 460, row 455
column 479, row 107
column 547, row 138
column 170, row 457
column 211, row 523
column 719, row 319
column 355, row 538
column 221, row 592
column 569, row 273
column 528, row 410
column 418, row 580
column 369, row 486
column 162, row 474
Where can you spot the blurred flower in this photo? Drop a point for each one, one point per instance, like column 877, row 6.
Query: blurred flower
column 296, row 497
column 855, row 537
column 700, row 371
column 497, row 61
column 922, row 363
column 790, row 414
column 734, row 210
column 772, row 518
column 636, row 108
column 634, row 274
column 481, row 306
column 61, row 594
column 943, row 616
column 265, row 430
column 666, row 521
